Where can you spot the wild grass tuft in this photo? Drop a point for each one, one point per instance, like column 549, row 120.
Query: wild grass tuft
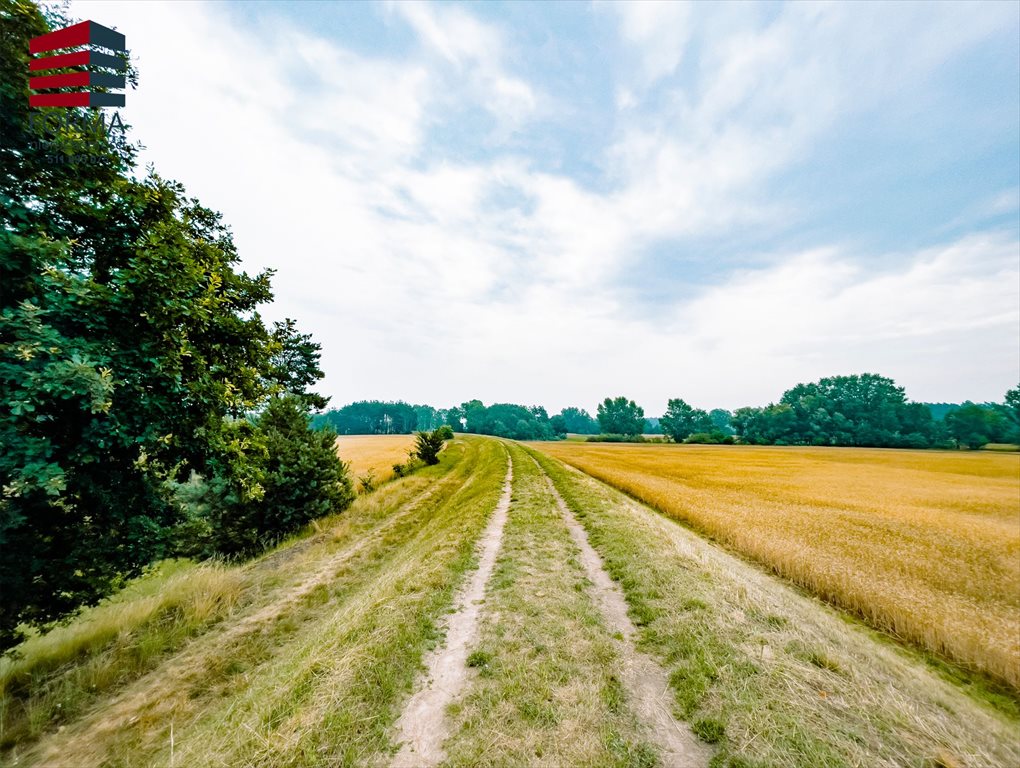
column 55, row 675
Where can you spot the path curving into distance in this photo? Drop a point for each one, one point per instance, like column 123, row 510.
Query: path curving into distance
column 644, row 680
column 422, row 726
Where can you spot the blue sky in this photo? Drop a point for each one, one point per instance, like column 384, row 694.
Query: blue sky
column 551, row 203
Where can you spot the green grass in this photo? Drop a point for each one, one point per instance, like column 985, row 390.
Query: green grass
column 55, row 676
column 545, row 692
column 306, row 656
column 313, row 669
column 774, row 677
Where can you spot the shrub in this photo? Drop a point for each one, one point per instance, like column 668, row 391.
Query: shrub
column 445, row 431
column 366, row 482
column 616, row 438
column 428, row 445
column 714, row 437
column 402, row 470
column 293, row 476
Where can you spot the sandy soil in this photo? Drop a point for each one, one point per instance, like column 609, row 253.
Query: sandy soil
column 646, row 682
column 422, row 727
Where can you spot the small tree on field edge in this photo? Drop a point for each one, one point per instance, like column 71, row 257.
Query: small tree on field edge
column 428, row 445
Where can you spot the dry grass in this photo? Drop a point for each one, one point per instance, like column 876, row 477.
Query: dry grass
column 312, row 662
column 56, row 675
column 776, row 678
column 923, row 544
column 375, row 454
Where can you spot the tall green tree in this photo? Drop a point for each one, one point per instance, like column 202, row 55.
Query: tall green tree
column 620, row 416
column 721, row 420
column 131, row 353
column 682, row 420
column 579, row 421
column 1011, row 409
column 857, row 410
column 973, row 426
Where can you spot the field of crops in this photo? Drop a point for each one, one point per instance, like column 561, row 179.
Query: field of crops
column 923, row 544
column 375, row 454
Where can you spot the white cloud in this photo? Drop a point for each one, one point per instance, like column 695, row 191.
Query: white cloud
column 500, row 278
column 659, row 31
column 476, row 50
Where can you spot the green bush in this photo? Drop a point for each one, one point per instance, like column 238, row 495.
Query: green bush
column 428, row 445
column 402, row 470
column 293, row 476
column 714, row 437
column 616, row 438
column 445, row 431
column 366, row 482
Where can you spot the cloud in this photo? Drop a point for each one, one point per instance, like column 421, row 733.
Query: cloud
column 475, row 51
column 500, row 278
column 659, row 31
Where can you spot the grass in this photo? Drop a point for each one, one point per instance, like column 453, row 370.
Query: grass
column 373, row 455
column 775, row 677
column 544, row 692
column 57, row 675
column 330, row 632
column 305, row 656
column 922, row 544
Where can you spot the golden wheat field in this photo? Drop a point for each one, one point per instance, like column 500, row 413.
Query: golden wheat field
column 924, row 544
column 373, row 453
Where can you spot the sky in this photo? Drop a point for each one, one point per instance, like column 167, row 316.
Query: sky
column 549, row 203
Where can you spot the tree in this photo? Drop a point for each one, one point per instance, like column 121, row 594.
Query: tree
column 620, row 416
column 131, row 353
column 295, row 363
column 302, row 478
column 721, row 419
column 863, row 410
column 1012, row 412
column 579, row 421
column 428, row 445
column 375, row 417
column 558, row 424
column 455, row 418
column 517, row 422
column 681, row 420
column 974, row 425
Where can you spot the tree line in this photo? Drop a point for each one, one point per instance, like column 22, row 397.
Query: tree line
column 866, row 410
column 146, row 410
column 856, row 410
column 377, row 417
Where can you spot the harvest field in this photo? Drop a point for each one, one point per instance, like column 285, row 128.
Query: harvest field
column 923, row 544
column 311, row 654
column 375, row 454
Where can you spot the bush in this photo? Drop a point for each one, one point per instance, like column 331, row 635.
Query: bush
column 293, row 476
column 402, row 470
column 616, row 438
column 366, row 482
column 710, row 438
column 428, row 445
column 445, row 432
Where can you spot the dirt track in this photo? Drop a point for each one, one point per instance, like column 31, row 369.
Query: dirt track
column 422, row 727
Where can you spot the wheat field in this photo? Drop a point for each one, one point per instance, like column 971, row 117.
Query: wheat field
column 375, row 454
column 922, row 544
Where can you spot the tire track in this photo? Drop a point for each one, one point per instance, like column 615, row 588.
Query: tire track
column 645, row 681
column 422, row 727
column 180, row 670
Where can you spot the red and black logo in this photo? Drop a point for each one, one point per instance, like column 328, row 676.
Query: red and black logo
column 93, row 69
